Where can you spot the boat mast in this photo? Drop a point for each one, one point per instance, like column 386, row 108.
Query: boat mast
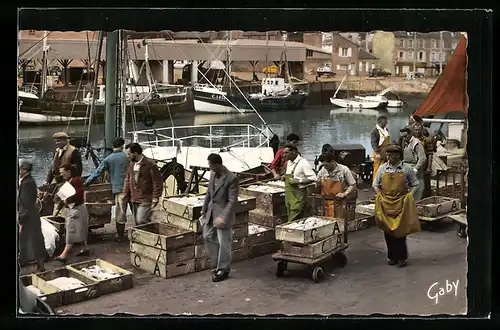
column 94, row 86
column 440, row 52
column 228, row 60
column 123, row 81
column 267, row 53
column 44, row 66
column 110, row 114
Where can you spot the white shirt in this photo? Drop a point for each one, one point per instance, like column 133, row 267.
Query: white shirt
column 21, row 179
column 137, row 166
column 383, row 132
column 303, row 170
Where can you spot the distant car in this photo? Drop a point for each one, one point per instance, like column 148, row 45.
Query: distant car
column 379, row 73
column 271, row 69
column 419, row 74
column 325, row 71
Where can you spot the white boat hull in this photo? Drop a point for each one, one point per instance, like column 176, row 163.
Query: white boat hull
column 236, row 160
column 208, row 107
column 34, row 118
column 395, row 104
column 353, row 103
column 382, row 99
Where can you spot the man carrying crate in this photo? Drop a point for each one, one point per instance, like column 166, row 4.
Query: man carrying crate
column 395, row 208
column 335, row 180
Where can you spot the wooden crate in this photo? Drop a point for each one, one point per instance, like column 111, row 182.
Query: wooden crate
column 365, row 207
column 361, row 221
column 260, row 237
column 239, row 243
column 275, row 210
column 165, row 256
column 173, row 206
column 57, row 222
column 261, row 197
column 98, row 187
column 51, row 295
column 240, row 231
column 99, row 220
column 259, row 217
column 198, row 240
column 284, row 233
column 162, row 236
column 99, row 209
column 201, row 251
column 123, row 282
column 313, row 250
column 99, row 195
column 177, row 221
column 245, row 204
column 161, row 269
column 89, row 291
column 240, row 254
column 435, row 206
column 201, row 264
column 264, row 248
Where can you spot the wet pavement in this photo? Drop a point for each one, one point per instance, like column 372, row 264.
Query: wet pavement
column 367, row 285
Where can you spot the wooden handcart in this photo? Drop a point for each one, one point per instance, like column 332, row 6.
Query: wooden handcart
column 331, row 248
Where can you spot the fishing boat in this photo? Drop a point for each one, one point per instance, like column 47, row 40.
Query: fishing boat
column 355, row 103
column 381, row 97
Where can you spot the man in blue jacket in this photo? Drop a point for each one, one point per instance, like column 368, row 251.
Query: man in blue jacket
column 116, row 164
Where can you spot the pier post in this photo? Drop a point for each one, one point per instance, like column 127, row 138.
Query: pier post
column 110, row 115
column 168, row 71
column 194, row 72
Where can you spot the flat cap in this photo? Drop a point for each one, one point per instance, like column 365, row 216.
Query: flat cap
column 393, row 148
column 60, row 135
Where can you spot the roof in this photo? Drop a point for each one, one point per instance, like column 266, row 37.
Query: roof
column 336, row 34
column 364, row 55
column 426, row 35
column 189, row 49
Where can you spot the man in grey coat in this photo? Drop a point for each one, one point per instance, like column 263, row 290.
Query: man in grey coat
column 31, row 242
column 217, row 216
column 414, row 155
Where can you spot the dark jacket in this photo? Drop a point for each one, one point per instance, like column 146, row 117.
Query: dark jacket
column 148, row 186
column 220, row 202
column 375, row 138
column 31, row 242
column 70, row 155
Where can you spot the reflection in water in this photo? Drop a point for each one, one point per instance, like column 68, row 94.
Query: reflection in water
column 316, row 126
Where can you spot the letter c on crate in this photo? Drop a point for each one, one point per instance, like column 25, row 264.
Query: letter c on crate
column 137, row 260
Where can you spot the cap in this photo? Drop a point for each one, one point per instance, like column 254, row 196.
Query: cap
column 60, row 135
column 393, row 148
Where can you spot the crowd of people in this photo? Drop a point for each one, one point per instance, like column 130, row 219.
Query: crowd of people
column 401, row 176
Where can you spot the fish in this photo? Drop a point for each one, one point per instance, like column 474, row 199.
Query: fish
column 35, row 290
column 66, row 283
column 99, row 273
column 256, row 229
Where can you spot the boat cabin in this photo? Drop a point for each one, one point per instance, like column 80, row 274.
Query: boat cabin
column 273, row 85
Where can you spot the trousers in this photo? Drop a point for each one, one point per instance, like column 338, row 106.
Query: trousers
column 218, row 242
column 396, row 248
column 142, row 213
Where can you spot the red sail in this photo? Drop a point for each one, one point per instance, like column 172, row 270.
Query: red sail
column 449, row 93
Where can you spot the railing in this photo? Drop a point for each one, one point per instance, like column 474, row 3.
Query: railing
column 219, row 87
column 210, row 136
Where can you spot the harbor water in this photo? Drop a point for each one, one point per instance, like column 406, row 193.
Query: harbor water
column 315, row 125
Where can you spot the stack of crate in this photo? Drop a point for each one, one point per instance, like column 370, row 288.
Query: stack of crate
column 99, row 201
column 270, row 211
column 312, row 238
column 184, row 212
column 161, row 249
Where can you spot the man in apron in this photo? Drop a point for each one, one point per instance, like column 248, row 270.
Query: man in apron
column 299, row 174
column 395, row 208
column 336, row 180
column 278, row 165
column 429, row 145
column 414, row 156
column 380, row 140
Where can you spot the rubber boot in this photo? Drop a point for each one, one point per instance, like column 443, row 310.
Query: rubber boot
column 120, row 232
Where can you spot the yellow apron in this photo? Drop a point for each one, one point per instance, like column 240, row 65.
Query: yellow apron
column 395, row 209
column 295, row 198
column 332, row 208
column 378, row 162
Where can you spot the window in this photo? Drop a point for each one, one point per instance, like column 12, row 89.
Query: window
column 343, row 52
column 401, row 43
column 421, row 56
column 31, row 32
column 367, row 68
column 410, row 43
column 433, row 43
column 373, row 66
column 344, row 67
column 360, row 66
column 454, row 45
column 410, row 55
column 433, row 57
column 442, row 43
column 421, row 43
column 441, row 57
column 309, row 53
column 401, row 55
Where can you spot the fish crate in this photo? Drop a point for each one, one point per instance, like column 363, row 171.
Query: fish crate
column 276, row 210
column 201, row 251
column 99, row 187
column 265, row 194
column 313, row 250
column 161, row 236
column 320, row 228
column 240, row 254
column 260, row 234
column 201, row 264
column 122, row 280
column 187, row 207
column 48, row 293
column 259, row 217
column 164, row 256
column 89, row 291
column 188, row 224
column 361, row 221
column 57, row 222
column 158, row 268
column 99, row 209
column 99, row 194
column 436, row 206
column 240, row 231
column 366, row 207
column 240, row 243
column 245, row 204
column 274, row 183
column 263, row 249
column 198, row 240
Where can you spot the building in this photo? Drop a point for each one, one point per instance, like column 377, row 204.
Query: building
column 426, row 52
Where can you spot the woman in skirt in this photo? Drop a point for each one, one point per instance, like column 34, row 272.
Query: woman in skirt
column 77, row 218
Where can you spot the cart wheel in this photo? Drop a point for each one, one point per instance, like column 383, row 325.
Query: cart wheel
column 462, row 232
column 280, row 268
column 341, row 258
column 317, row 274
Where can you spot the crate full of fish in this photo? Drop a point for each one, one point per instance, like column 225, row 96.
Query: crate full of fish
column 309, row 230
column 259, row 234
column 436, row 206
column 161, row 236
column 265, row 194
column 314, row 250
column 75, row 286
column 46, row 292
column 276, row 183
column 110, row 278
column 366, row 207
